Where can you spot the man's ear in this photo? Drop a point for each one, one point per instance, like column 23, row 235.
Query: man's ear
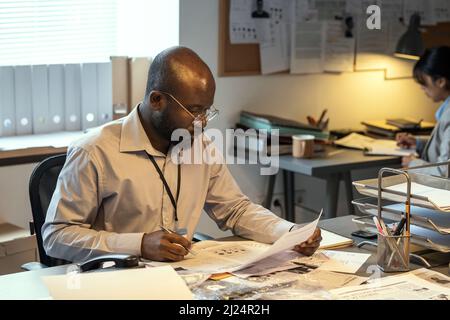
column 442, row 83
column 157, row 101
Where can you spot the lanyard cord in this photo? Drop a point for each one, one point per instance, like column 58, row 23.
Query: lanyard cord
column 166, row 185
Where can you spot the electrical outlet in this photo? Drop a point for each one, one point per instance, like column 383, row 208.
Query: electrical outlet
column 277, row 205
column 300, row 196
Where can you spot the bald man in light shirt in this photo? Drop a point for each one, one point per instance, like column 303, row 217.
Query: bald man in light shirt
column 119, row 184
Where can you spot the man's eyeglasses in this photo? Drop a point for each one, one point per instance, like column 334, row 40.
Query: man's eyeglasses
column 204, row 116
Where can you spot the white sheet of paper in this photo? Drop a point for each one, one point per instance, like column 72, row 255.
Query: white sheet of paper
column 329, row 9
column 401, row 287
column 332, row 280
column 275, row 263
column 307, row 39
column 288, row 241
column 161, row 283
column 242, row 26
column 274, row 38
column 307, row 47
column 442, row 10
column 339, row 53
column 432, row 276
column 424, row 8
column 439, row 197
column 342, row 261
column 374, row 146
column 218, row 256
column 274, row 56
column 332, row 240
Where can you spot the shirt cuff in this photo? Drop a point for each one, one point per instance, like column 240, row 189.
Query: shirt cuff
column 127, row 243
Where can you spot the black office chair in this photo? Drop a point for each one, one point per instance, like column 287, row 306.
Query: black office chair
column 42, row 185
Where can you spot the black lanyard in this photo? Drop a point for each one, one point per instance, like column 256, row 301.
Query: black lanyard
column 166, row 185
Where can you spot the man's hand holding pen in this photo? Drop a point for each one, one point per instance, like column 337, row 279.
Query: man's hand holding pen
column 164, row 246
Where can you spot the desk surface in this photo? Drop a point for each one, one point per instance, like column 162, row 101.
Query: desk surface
column 335, row 160
column 28, row 285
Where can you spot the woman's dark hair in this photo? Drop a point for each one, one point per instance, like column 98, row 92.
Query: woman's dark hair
column 435, row 63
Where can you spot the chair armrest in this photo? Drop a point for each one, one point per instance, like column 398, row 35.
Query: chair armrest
column 30, row 266
column 201, row 237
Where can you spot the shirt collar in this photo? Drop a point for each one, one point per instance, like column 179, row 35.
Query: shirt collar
column 133, row 137
column 442, row 108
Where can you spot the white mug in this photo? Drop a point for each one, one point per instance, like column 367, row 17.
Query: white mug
column 303, row 146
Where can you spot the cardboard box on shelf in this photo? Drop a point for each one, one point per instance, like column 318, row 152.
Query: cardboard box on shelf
column 17, row 247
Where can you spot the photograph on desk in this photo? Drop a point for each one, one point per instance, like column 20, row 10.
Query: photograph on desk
column 225, row 150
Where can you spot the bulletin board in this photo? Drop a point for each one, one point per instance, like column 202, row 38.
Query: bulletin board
column 235, row 59
column 244, row 59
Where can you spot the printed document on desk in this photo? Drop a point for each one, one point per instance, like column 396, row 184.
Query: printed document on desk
column 373, row 146
column 230, row 256
column 336, row 261
column 403, row 287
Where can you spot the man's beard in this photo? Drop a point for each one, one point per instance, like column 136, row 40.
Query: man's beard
column 162, row 124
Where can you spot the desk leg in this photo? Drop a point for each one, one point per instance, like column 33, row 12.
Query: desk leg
column 270, row 189
column 347, row 177
column 331, row 196
column 289, row 195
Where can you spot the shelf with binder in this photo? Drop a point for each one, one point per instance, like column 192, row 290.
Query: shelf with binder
column 427, row 217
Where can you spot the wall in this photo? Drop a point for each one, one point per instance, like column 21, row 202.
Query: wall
column 350, row 98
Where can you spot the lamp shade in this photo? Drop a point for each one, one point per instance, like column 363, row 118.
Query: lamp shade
column 410, row 45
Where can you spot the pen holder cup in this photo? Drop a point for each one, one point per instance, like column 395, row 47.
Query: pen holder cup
column 393, row 253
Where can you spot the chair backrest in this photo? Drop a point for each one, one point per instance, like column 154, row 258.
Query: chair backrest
column 42, row 185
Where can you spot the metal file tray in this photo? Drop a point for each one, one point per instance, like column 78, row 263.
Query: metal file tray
column 422, row 217
column 419, row 236
column 369, row 188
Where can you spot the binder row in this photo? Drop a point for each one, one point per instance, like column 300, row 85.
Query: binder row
column 50, row 98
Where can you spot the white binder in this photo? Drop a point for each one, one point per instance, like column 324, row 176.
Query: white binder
column 72, row 96
column 39, row 94
column 24, row 112
column 89, row 100
column 56, row 97
column 7, row 102
column 104, row 84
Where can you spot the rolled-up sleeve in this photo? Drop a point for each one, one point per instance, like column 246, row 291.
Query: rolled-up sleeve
column 232, row 210
column 67, row 231
column 421, row 141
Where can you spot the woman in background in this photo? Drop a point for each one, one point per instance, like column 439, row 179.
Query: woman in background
column 432, row 72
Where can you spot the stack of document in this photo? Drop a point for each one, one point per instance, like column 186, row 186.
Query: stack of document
column 374, row 146
column 332, row 240
column 389, row 129
column 407, row 286
column 438, row 197
column 285, row 126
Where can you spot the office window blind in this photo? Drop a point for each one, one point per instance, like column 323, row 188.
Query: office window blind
column 54, row 54
column 57, row 31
